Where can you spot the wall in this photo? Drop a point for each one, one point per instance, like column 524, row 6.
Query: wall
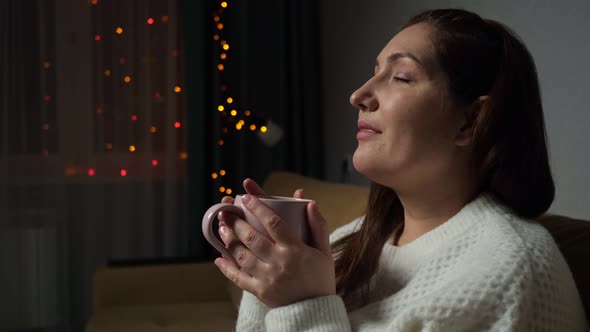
column 556, row 33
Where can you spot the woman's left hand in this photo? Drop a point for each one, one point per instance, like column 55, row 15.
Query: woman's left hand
column 281, row 270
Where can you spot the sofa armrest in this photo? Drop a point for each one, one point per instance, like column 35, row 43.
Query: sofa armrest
column 158, row 284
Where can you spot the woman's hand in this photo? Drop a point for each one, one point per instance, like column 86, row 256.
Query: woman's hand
column 281, row 270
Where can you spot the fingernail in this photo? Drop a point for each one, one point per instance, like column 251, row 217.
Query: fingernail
column 246, row 199
column 223, row 231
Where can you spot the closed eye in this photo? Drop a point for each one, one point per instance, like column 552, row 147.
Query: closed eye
column 401, row 79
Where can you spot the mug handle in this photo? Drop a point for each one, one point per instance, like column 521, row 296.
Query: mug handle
column 207, row 225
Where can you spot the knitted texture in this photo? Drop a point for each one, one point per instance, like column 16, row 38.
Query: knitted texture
column 485, row 269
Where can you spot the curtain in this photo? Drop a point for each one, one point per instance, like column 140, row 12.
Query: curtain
column 271, row 73
column 93, row 150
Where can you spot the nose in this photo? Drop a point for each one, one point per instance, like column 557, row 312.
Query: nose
column 364, row 98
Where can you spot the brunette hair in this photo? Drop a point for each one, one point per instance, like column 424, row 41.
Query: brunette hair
column 479, row 57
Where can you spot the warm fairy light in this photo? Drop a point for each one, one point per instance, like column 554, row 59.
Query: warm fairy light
column 216, row 18
column 220, row 108
column 153, row 130
column 224, row 4
column 119, row 30
column 221, row 189
column 70, row 171
column 223, row 87
column 107, row 73
column 238, row 126
column 219, row 26
column 234, row 112
column 183, row 155
column 228, row 191
column 230, row 100
column 127, row 79
column 154, row 162
column 223, row 56
column 247, row 113
column 225, row 130
column 263, row 129
column 222, row 172
column 215, row 37
column 91, row 172
column 177, row 124
column 165, row 19
column 252, row 127
column 150, row 21
column 223, row 42
column 45, row 126
column 46, row 64
column 220, row 67
column 132, row 148
column 94, row 2
column 220, row 142
column 241, row 122
column 108, row 146
column 123, row 172
column 134, row 117
column 177, row 89
column 214, row 176
column 97, row 37
column 226, row 47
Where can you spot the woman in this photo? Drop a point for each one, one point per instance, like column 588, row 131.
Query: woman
column 451, row 134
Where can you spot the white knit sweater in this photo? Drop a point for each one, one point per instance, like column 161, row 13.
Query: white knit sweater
column 483, row 269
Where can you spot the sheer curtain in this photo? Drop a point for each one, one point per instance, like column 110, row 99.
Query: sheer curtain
column 92, row 150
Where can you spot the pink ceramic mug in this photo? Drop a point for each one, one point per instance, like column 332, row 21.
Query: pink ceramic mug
column 292, row 210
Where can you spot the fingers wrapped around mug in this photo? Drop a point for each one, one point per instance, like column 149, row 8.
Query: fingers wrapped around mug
column 248, row 247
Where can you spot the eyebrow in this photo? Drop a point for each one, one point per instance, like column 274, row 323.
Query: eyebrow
column 398, row 55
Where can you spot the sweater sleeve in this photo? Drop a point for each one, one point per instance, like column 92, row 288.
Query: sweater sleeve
column 321, row 314
column 251, row 314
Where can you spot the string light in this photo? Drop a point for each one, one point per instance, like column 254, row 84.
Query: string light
column 220, row 108
column 177, row 89
column 165, row 19
column 222, row 172
column 220, row 142
column 94, row 2
column 263, row 129
column 225, row 130
column 221, row 189
column 226, row 47
column 46, row 64
column 183, row 155
column 127, row 79
column 91, row 172
column 45, row 126
column 252, row 127
column 132, row 148
column 107, row 73
column 234, row 112
column 153, row 129
column 123, row 172
column 177, row 124
column 238, row 126
column 119, row 30
column 224, row 4
column 220, row 26
column 216, row 18
column 216, row 37
column 134, row 117
column 150, row 21
column 47, row 98
column 214, row 176
column 247, row 113
column 154, row 162
column 228, row 191
column 220, row 67
column 230, row 100
column 108, row 146
column 223, row 56
column 97, row 37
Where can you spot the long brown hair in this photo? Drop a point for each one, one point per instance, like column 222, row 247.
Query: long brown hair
column 479, row 57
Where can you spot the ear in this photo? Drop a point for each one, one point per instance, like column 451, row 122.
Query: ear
column 465, row 133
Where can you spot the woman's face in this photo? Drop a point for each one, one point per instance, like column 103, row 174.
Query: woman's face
column 407, row 124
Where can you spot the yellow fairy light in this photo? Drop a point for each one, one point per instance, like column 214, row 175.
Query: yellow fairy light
column 108, row 146
column 153, row 130
column 216, row 37
column 220, row 142
column 247, row 113
column 222, row 172
column 263, row 129
column 228, row 191
column 224, row 4
column 214, row 176
column 252, row 127
column 226, row 47
column 107, row 73
column 132, row 148
column 127, row 79
column 220, row 67
column 241, row 122
column 238, row 126
column 220, row 108
column 223, row 56
column 177, row 89
column 183, row 155
column 119, row 30
column 230, row 100
column 234, row 113
column 216, row 18
column 221, row 189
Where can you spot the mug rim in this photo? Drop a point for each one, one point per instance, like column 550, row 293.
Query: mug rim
column 276, row 198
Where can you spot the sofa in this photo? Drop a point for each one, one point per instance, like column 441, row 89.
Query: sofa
column 195, row 296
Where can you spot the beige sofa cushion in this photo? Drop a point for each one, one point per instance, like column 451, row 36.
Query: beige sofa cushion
column 205, row 316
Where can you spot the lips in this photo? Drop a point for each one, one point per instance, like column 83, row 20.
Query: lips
column 366, row 130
